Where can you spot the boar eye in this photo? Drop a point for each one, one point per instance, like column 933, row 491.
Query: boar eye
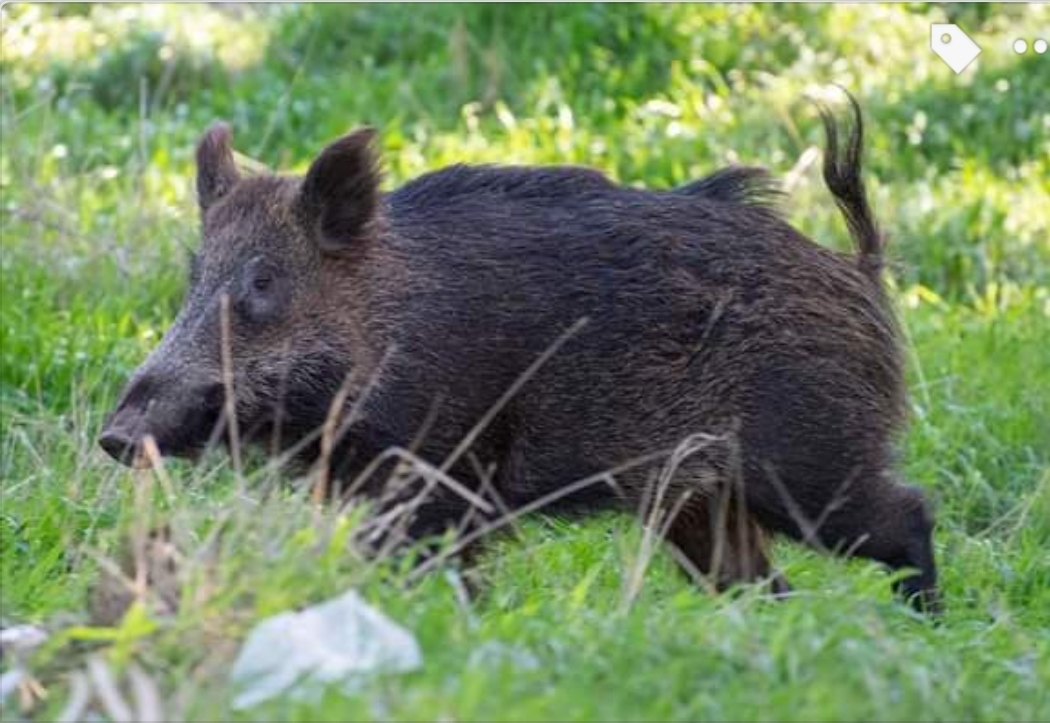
column 262, row 282
column 261, row 277
column 262, row 292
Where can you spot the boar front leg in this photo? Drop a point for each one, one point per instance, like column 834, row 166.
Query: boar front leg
column 421, row 519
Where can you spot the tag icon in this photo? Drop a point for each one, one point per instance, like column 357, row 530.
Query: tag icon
column 953, row 46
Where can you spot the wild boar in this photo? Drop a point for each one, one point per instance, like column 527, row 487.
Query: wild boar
column 524, row 330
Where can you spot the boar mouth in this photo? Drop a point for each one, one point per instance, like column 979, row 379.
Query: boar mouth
column 183, row 427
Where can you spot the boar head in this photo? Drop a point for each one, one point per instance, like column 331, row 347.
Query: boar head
column 273, row 291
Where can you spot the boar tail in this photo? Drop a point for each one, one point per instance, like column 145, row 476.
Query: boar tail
column 842, row 175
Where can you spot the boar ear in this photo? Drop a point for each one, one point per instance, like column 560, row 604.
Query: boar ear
column 340, row 194
column 216, row 169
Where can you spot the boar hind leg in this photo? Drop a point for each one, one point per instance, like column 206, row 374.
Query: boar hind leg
column 719, row 547
column 890, row 523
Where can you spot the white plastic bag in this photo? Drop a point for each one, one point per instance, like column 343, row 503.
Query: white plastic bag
column 341, row 642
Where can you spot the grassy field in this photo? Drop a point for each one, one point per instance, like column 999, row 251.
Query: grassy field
column 101, row 106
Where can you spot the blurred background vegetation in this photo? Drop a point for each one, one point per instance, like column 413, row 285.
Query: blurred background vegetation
column 101, row 107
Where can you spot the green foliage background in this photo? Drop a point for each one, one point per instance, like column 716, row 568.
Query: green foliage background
column 101, row 106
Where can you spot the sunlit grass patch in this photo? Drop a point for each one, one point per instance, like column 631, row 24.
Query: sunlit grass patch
column 169, row 49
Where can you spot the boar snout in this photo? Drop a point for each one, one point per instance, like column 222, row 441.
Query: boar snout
column 180, row 415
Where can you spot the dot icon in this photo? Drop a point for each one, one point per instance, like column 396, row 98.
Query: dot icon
column 1020, row 46
column 1039, row 46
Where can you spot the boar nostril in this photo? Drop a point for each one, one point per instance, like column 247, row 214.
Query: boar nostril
column 118, row 445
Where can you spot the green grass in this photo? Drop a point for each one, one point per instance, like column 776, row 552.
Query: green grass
column 100, row 108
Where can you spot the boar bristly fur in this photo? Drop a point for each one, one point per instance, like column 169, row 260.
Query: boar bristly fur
column 742, row 380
